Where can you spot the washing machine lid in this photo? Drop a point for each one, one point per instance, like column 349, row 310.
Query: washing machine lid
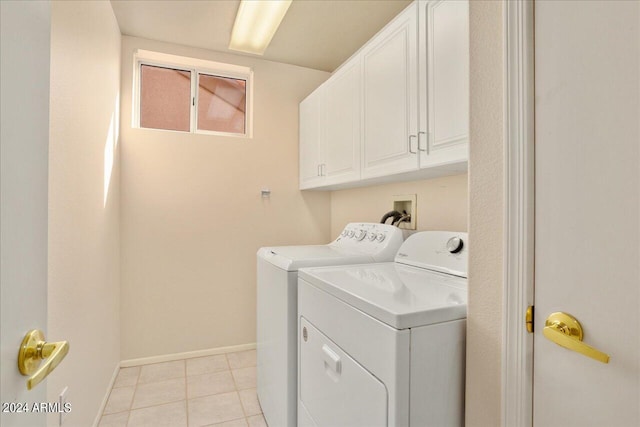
column 399, row 295
column 292, row 258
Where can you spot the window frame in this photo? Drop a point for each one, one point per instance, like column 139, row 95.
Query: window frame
column 195, row 67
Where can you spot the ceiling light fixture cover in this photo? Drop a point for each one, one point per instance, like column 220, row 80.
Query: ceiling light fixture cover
column 256, row 23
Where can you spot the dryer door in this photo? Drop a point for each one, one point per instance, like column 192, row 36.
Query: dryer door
column 334, row 389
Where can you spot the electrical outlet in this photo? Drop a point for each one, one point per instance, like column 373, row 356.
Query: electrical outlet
column 62, row 400
column 406, row 204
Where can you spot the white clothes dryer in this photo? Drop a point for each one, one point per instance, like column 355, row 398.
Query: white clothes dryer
column 277, row 307
column 384, row 344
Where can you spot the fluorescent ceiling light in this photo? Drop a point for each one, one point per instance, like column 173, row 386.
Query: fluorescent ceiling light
column 256, row 23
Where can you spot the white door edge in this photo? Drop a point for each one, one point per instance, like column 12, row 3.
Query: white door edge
column 517, row 350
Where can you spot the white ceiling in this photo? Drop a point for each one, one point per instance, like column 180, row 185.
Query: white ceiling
column 318, row 34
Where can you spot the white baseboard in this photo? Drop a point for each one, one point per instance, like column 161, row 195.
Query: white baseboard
column 187, row 355
column 106, row 396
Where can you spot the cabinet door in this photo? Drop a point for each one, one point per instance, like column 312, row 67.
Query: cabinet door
column 390, row 98
column 444, row 89
column 311, row 129
column 341, row 145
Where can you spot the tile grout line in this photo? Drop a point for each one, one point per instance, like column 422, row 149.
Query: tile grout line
column 135, row 390
column 244, row 410
column 134, row 394
column 233, row 377
column 186, row 392
column 226, row 355
column 228, row 421
column 150, row 406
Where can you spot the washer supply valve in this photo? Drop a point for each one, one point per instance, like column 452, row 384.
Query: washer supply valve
column 404, row 218
column 395, row 214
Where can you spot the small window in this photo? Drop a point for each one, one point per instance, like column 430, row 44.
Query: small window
column 221, row 104
column 193, row 99
column 165, row 98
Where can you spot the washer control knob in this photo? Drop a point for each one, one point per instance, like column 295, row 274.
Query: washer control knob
column 351, row 233
column 361, row 235
column 372, row 236
column 455, row 245
column 381, row 237
column 344, row 232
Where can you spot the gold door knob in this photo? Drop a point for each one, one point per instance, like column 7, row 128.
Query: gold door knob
column 33, row 350
column 565, row 330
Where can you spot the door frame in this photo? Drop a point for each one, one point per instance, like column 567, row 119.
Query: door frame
column 519, row 212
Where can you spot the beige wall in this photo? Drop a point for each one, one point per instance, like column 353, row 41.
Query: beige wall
column 441, row 203
column 193, row 218
column 484, row 334
column 84, row 294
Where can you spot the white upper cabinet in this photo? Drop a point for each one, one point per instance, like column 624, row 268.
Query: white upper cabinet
column 444, row 82
column 343, row 123
column 330, row 130
column 398, row 109
column 390, row 98
column 311, row 129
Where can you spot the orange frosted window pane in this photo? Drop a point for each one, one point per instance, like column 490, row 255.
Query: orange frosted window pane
column 165, row 98
column 221, row 104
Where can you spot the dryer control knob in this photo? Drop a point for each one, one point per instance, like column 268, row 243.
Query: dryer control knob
column 361, row 235
column 344, row 232
column 372, row 236
column 381, row 237
column 455, row 245
column 351, row 233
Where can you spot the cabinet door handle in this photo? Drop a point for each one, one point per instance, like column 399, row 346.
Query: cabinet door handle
column 411, row 145
column 426, row 146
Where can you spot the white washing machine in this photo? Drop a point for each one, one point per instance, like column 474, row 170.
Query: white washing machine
column 384, row 344
column 277, row 296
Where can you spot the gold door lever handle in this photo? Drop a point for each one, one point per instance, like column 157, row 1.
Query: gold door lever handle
column 565, row 330
column 33, row 350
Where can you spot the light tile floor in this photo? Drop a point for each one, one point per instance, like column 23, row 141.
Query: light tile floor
column 205, row 391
